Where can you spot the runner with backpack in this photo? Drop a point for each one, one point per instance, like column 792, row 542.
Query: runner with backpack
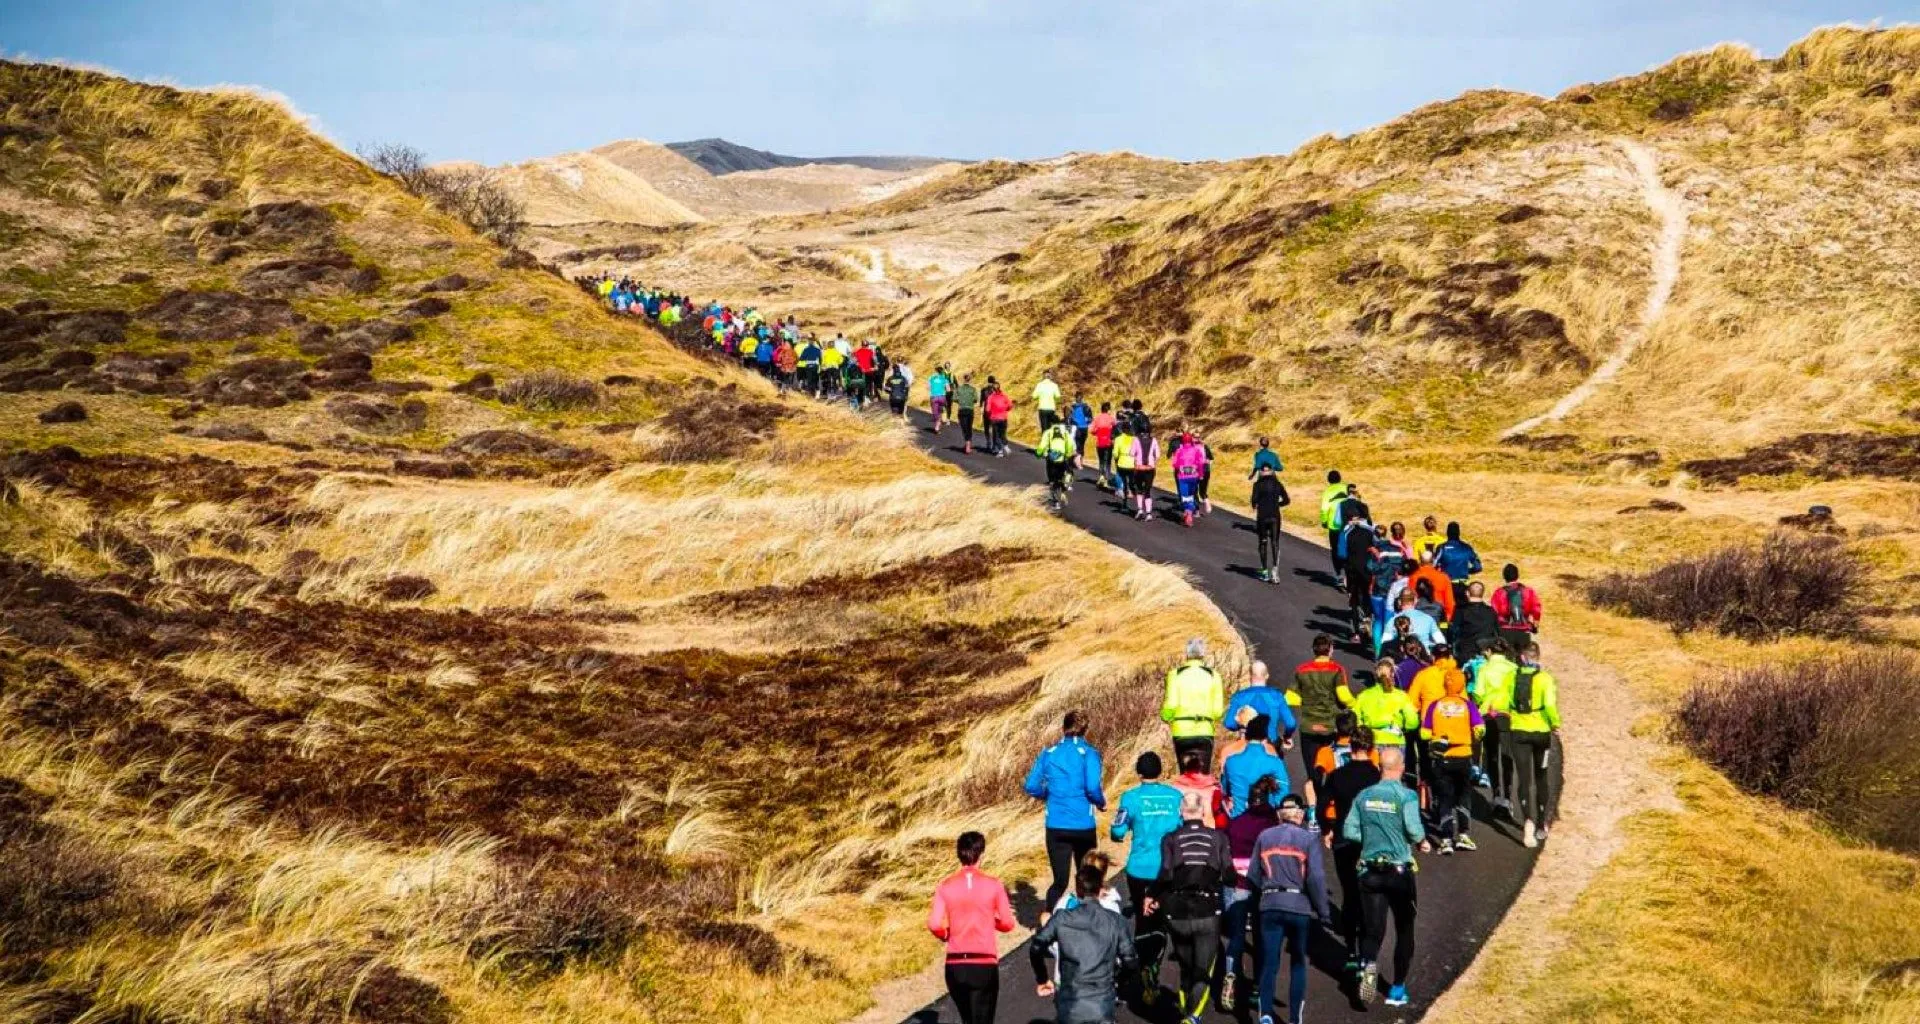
column 1056, row 448
column 1534, row 717
column 1517, row 606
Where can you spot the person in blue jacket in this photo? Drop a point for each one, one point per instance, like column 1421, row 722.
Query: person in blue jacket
column 1458, row 560
column 1080, row 418
column 1067, row 777
column 1259, row 760
column 1261, row 697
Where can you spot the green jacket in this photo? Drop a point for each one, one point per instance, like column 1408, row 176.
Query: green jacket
column 1195, row 701
column 1493, row 685
column 966, row 396
column 1388, row 711
column 1330, row 500
column 1385, row 821
column 1546, row 706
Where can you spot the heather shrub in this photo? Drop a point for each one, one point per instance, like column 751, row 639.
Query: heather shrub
column 1833, row 736
column 1787, row 584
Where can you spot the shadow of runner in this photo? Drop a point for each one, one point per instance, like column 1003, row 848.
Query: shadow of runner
column 1027, row 904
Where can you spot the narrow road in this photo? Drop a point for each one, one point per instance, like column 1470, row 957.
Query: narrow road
column 1462, row 897
column 1671, row 209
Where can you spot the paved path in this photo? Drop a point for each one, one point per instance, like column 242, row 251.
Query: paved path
column 1462, row 897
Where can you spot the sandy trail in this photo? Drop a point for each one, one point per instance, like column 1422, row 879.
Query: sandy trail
column 1672, row 211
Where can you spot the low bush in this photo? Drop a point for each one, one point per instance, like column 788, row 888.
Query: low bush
column 1785, row 585
column 550, row 389
column 1833, row 736
column 472, row 194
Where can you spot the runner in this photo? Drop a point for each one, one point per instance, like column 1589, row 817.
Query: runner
column 1386, row 711
column 1206, row 476
column 1269, row 497
column 1457, row 559
column 1123, row 450
column 1087, row 940
column 1066, row 776
column 1193, row 778
column 1148, row 812
column 1146, row 456
column 1260, row 759
column 1493, row 683
column 1343, row 786
column 1451, row 726
column 999, row 407
column 1438, row 591
column 1517, row 607
column 1243, row 832
column 1195, row 867
column 1356, row 553
column 1330, row 499
column 938, row 384
column 968, row 908
column 1080, row 418
column 1189, row 464
column 1535, row 711
column 785, row 362
column 833, row 364
column 1103, row 428
column 1290, row 875
column 1046, row 399
column 1265, row 458
column 897, row 391
column 1384, row 562
column 1429, row 540
column 867, row 359
column 1056, row 448
column 1320, row 690
column 1475, row 625
column 1385, row 821
column 1195, row 702
column 1259, row 697
column 853, row 381
column 966, row 398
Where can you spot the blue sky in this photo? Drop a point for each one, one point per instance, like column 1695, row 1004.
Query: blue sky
column 499, row 81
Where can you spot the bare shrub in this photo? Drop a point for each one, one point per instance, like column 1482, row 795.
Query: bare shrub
column 550, row 389
column 1829, row 736
column 1786, row 585
column 473, row 194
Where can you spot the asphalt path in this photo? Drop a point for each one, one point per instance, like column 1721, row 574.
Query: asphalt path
column 1461, row 898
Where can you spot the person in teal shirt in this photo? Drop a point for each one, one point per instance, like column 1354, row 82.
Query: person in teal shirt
column 1265, row 458
column 1147, row 812
column 1385, row 821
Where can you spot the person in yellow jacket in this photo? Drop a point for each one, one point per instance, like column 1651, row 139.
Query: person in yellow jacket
column 1533, row 708
column 1330, row 499
column 1195, row 702
column 1493, row 692
column 1123, row 461
column 1386, row 709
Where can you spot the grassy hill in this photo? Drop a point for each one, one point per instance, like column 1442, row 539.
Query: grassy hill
column 1460, row 269
column 389, row 634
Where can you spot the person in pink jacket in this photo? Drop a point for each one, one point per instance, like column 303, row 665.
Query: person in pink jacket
column 1189, row 467
column 968, row 908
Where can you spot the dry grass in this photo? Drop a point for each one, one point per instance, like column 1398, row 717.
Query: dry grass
column 262, row 786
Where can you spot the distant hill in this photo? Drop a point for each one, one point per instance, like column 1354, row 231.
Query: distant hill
column 719, row 156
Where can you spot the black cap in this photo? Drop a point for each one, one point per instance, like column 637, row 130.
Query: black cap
column 1293, row 800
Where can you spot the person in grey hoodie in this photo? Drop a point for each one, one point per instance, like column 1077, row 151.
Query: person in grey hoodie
column 1287, row 872
column 1092, row 944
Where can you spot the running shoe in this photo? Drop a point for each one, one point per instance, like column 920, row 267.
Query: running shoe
column 1465, row 843
column 1527, row 837
column 1369, row 982
column 1186, row 519
column 1226, row 993
column 1446, row 847
column 1397, row 995
column 1264, row 1019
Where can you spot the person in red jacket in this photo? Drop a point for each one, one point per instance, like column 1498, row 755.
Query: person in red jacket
column 1517, row 607
column 999, row 408
column 968, row 908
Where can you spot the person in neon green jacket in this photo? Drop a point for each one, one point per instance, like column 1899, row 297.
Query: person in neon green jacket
column 1533, row 717
column 1493, row 686
column 1386, row 709
column 1196, row 701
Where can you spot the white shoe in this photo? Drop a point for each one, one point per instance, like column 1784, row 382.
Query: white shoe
column 1527, row 837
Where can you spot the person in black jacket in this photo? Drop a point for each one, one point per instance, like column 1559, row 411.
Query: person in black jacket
column 1475, row 625
column 1269, row 497
column 1196, row 866
column 1337, row 794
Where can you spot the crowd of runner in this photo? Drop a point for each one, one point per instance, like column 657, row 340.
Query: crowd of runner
column 1227, row 865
